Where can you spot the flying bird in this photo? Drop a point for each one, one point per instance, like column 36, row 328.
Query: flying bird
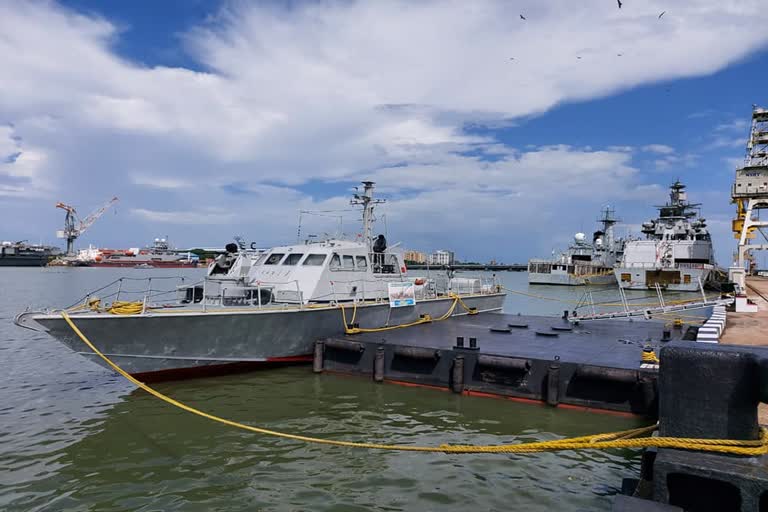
column 662, row 14
column 578, row 56
column 619, row 2
column 522, row 17
column 619, row 54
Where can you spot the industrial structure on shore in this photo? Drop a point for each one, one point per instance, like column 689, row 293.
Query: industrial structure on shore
column 750, row 195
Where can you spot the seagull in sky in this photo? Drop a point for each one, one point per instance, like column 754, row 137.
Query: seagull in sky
column 662, row 14
column 522, row 17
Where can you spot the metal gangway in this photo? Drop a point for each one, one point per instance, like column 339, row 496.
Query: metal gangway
column 648, row 312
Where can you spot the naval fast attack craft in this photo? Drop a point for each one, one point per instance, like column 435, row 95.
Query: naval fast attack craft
column 270, row 307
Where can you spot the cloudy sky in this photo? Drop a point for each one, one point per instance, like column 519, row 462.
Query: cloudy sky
column 492, row 135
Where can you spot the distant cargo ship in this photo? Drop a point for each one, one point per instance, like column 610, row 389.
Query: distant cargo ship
column 160, row 255
column 22, row 254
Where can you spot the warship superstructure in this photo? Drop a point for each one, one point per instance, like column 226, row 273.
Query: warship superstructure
column 584, row 262
column 268, row 309
column 677, row 253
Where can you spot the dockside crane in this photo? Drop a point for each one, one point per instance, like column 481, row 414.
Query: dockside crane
column 74, row 227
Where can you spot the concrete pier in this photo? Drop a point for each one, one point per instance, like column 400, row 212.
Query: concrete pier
column 751, row 328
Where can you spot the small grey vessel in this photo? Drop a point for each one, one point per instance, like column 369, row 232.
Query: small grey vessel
column 266, row 307
column 584, row 262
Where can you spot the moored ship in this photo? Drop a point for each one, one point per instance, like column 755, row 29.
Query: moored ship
column 22, row 254
column 677, row 253
column 160, row 255
column 584, row 262
column 270, row 307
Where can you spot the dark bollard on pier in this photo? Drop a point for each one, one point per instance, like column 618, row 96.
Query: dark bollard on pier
column 706, row 392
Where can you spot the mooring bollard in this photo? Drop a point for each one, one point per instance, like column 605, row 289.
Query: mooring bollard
column 317, row 362
column 378, row 365
column 553, row 382
column 457, row 376
column 708, row 393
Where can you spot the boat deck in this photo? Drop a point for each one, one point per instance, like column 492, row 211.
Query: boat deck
column 592, row 364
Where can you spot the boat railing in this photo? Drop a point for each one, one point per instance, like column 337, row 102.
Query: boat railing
column 657, row 265
column 179, row 291
column 134, row 289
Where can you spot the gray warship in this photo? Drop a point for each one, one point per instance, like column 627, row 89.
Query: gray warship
column 269, row 307
column 584, row 262
column 677, row 254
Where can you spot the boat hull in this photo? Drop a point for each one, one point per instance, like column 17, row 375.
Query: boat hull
column 565, row 279
column 163, row 342
column 671, row 279
column 153, row 264
column 24, row 261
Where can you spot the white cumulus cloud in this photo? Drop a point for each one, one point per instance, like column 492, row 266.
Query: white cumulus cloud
column 300, row 96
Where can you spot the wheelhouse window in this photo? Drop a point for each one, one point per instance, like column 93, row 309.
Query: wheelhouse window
column 260, row 260
column 314, row 260
column 293, row 259
column 349, row 262
column 362, row 262
column 335, row 261
column 274, row 258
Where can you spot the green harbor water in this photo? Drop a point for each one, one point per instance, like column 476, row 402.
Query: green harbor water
column 74, row 436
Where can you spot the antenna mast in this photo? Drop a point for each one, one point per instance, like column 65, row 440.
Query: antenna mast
column 366, row 199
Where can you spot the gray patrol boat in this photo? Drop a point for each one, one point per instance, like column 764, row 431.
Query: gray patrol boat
column 584, row 262
column 258, row 308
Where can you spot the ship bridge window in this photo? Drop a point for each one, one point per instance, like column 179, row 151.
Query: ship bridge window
column 362, row 262
column 293, row 259
column 348, row 262
column 315, row 260
column 260, row 259
column 335, row 261
column 274, row 258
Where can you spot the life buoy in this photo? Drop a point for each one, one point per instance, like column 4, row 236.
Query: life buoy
column 419, row 282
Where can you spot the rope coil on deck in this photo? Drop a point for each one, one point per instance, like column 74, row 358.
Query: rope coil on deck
column 622, row 439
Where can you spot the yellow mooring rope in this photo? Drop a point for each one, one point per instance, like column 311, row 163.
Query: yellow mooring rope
column 425, row 319
column 621, row 439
